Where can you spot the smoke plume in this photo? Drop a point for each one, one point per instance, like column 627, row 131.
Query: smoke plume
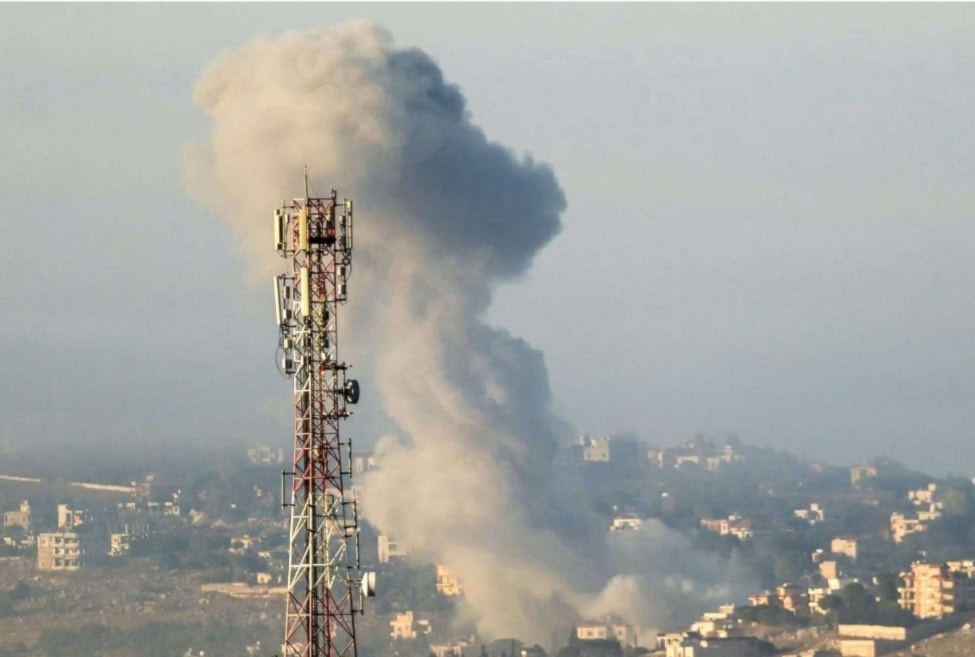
column 443, row 216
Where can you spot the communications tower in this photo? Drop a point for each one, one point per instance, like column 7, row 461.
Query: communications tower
column 325, row 586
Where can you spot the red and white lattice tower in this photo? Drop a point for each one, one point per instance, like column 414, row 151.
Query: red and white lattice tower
column 325, row 586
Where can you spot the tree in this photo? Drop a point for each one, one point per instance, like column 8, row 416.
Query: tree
column 767, row 615
column 830, row 602
column 887, row 583
column 855, row 596
column 956, row 503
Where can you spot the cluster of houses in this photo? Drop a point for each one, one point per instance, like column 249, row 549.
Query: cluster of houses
column 715, row 634
column 721, row 634
column 65, row 547
column 928, row 590
column 702, row 452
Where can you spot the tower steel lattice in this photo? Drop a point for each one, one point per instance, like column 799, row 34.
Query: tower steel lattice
column 325, row 586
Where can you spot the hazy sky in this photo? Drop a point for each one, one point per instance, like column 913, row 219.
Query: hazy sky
column 769, row 226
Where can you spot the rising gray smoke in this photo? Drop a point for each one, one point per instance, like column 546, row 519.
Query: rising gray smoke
column 443, row 216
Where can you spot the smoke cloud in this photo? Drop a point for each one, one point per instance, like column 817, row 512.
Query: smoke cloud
column 443, row 216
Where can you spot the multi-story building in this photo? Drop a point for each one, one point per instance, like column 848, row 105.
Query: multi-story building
column 447, row 582
column 406, row 626
column 902, row 526
column 158, row 498
column 59, row 551
column 19, row 518
column 935, row 590
column 608, row 628
column 389, row 549
column 715, row 624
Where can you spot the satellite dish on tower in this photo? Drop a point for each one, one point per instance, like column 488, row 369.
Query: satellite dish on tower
column 352, row 391
column 368, row 585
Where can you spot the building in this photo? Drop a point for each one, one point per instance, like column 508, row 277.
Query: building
column 924, row 496
column 861, row 474
column 447, row 583
column 389, row 549
column 157, row 497
column 829, row 569
column 661, row 457
column 794, row 598
column 625, row 523
column 814, row 514
column 936, row 590
column 19, row 518
column 790, row 597
column 595, row 449
column 816, row 594
column 59, row 551
column 734, row 525
column 68, row 519
column 687, row 457
column 698, row 451
column 967, row 566
column 845, row 545
column 264, row 455
column 363, row 463
column 692, row 645
column 452, row 649
column 721, row 623
column 871, row 640
column 610, row 628
column 405, row 626
column 902, row 526
column 119, row 544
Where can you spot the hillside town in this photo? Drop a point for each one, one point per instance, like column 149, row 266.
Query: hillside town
column 856, row 561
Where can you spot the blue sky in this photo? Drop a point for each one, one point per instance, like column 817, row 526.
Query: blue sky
column 769, row 224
